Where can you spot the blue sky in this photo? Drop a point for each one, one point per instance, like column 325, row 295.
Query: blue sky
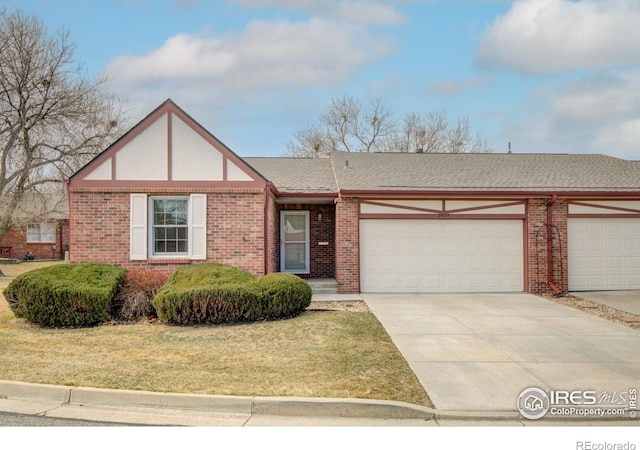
column 554, row 76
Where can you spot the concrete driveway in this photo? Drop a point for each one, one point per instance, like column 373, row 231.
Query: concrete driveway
column 477, row 352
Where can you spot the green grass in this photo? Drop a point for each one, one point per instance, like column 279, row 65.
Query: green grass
column 317, row 354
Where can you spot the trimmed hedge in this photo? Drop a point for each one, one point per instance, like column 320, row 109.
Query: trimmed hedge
column 65, row 295
column 283, row 294
column 211, row 293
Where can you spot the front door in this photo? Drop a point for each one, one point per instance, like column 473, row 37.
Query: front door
column 294, row 241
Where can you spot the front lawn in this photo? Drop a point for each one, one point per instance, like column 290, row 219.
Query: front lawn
column 317, row 354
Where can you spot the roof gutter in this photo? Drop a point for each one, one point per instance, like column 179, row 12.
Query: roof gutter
column 550, row 281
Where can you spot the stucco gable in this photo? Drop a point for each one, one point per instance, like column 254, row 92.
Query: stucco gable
column 167, row 148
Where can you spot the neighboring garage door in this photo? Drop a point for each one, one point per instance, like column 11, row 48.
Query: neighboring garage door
column 405, row 255
column 603, row 253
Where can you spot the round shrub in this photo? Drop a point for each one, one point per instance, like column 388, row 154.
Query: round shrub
column 283, row 295
column 211, row 293
column 65, row 294
column 206, row 293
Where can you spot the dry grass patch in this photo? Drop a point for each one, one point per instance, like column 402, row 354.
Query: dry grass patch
column 319, row 354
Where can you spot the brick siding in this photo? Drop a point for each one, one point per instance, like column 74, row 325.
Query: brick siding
column 347, row 246
column 99, row 229
column 537, row 236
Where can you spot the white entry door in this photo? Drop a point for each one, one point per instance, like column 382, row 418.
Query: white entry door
column 294, row 241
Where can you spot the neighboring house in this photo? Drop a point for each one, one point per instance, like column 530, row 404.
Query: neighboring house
column 43, row 232
column 168, row 193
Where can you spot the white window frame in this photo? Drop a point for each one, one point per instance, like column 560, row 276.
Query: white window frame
column 44, row 236
column 152, row 227
column 141, row 227
column 306, row 242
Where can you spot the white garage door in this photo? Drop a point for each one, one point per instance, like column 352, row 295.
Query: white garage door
column 604, row 254
column 441, row 255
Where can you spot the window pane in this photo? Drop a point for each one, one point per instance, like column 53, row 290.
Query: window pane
column 33, row 233
column 294, row 228
column 294, row 257
column 170, row 225
column 49, row 228
column 160, row 247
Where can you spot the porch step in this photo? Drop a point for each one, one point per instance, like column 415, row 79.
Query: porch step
column 323, row 285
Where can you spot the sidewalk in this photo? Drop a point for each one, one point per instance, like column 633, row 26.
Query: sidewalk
column 151, row 408
column 161, row 409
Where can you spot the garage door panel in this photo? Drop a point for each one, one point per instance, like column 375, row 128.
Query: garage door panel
column 442, row 256
column 632, row 245
column 604, row 254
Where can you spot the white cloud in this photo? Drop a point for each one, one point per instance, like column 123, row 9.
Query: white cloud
column 552, row 36
column 373, row 12
column 623, row 138
column 265, row 54
column 596, row 114
column 599, row 98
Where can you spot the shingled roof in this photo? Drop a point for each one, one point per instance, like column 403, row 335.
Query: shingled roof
column 467, row 172
column 485, row 171
column 297, row 175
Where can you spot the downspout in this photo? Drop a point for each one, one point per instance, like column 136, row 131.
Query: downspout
column 265, row 228
column 552, row 285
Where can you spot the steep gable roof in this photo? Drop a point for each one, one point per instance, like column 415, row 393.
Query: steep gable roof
column 167, row 148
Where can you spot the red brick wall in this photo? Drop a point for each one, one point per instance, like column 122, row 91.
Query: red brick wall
column 16, row 238
column 537, row 236
column 347, row 246
column 322, row 256
column 99, row 227
column 273, row 217
column 235, row 236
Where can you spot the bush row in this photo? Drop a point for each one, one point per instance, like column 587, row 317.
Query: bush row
column 65, row 295
column 214, row 293
column 207, row 293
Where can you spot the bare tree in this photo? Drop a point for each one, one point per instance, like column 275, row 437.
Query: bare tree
column 348, row 126
column 345, row 126
column 53, row 119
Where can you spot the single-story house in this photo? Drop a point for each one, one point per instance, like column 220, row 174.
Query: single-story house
column 169, row 193
column 40, row 230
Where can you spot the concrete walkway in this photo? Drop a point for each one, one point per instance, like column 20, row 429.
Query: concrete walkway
column 476, row 353
column 628, row 301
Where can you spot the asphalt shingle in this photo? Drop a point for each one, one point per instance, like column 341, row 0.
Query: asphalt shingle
column 297, row 175
column 451, row 172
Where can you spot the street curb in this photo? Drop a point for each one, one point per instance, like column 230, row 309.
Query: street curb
column 477, row 415
column 336, row 407
column 276, row 406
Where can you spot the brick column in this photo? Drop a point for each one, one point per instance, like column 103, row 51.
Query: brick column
column 347, row 246
column 537, row 236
